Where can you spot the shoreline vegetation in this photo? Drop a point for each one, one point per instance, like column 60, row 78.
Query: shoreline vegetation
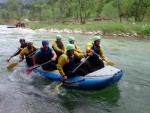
column 125, row 18
column 103, row 28
column 138, row 30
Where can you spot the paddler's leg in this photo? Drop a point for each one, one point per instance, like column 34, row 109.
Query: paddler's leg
column 82, row 70
column 101, row 64
column 29, row 62
column 53, row 65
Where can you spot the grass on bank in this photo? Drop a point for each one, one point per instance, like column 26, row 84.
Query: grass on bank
column 142, row 29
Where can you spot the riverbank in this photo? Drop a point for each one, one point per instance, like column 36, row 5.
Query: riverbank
column 141, row 30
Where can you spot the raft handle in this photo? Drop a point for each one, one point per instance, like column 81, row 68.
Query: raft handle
column 71, row 82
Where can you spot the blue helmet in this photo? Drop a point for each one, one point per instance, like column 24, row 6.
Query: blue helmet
column 45, row 42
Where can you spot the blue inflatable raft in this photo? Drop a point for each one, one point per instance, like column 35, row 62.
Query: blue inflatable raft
column 97, row 80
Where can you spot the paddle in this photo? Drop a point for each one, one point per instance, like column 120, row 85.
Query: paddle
column 12, row 65
column 29, row 70
column 80, row 65
column 12, row 55
column 58, row 86
column 67, row 82
column 108, row 63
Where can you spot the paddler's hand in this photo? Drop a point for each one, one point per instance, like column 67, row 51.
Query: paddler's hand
column 62, row 51
column 90, row 54
column 53, row 59
column 7, row 60
column 92, row 51
column 103, row 58
column 65, row 78
column 20, row 60
column 20, row 49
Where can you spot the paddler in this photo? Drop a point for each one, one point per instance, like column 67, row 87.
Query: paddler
column 71, row 40
column 23, row 44
column 66, row 64
column 58, row 46
column 98, row 57
column 45, row 54
column 28, row 52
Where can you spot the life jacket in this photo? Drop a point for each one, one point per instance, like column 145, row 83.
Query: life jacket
column 44, row 56
column 96, row 49
column 94, row 60
column 69, row 66
column 29, row 60
column 77, row 60
column 60, row 46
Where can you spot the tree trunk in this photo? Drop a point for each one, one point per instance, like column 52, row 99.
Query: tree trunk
column 138, row 10
column 119, row 8
column 80, row 11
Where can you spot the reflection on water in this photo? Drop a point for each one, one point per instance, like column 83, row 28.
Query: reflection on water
column 31, row 93
column 80, row 101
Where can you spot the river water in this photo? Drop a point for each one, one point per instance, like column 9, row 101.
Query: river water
column 31, row 93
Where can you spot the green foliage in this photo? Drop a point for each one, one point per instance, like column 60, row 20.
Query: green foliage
column 76, row 10
column 105, row 27
column 110, row 11
column 13, row 10
column 79, row 14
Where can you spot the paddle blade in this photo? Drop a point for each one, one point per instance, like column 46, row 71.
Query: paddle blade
column 12, row 65
column 28, row 70
column 110, row 63
column 58, row 86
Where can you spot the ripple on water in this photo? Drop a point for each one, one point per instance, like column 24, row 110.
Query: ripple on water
column 32, row 93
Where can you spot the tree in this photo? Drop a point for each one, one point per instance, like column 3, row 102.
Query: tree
column 140, row 9
column 14, row 9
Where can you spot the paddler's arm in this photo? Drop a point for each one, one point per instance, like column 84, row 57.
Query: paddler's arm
column 78, row 48
column 35, row 57
column 88, row 47
column 55, row 47
column 79, row 55
column 63, row 59
column 54, row 56
column 22, row 53
column 34, row 60
column 64, row 49
column 82, row 55
column 19, row 50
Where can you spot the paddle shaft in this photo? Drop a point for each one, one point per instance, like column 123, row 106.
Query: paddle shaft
column 40, row 65
column 67, row 82
column 12, row 65
column 108, row 63
column 13, row 55
column 97, row 54
column 31, row 54
column 80, row 65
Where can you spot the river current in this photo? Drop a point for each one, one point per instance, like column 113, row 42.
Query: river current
column 32, row 93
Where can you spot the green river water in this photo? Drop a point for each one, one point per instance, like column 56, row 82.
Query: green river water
column 23, row 93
